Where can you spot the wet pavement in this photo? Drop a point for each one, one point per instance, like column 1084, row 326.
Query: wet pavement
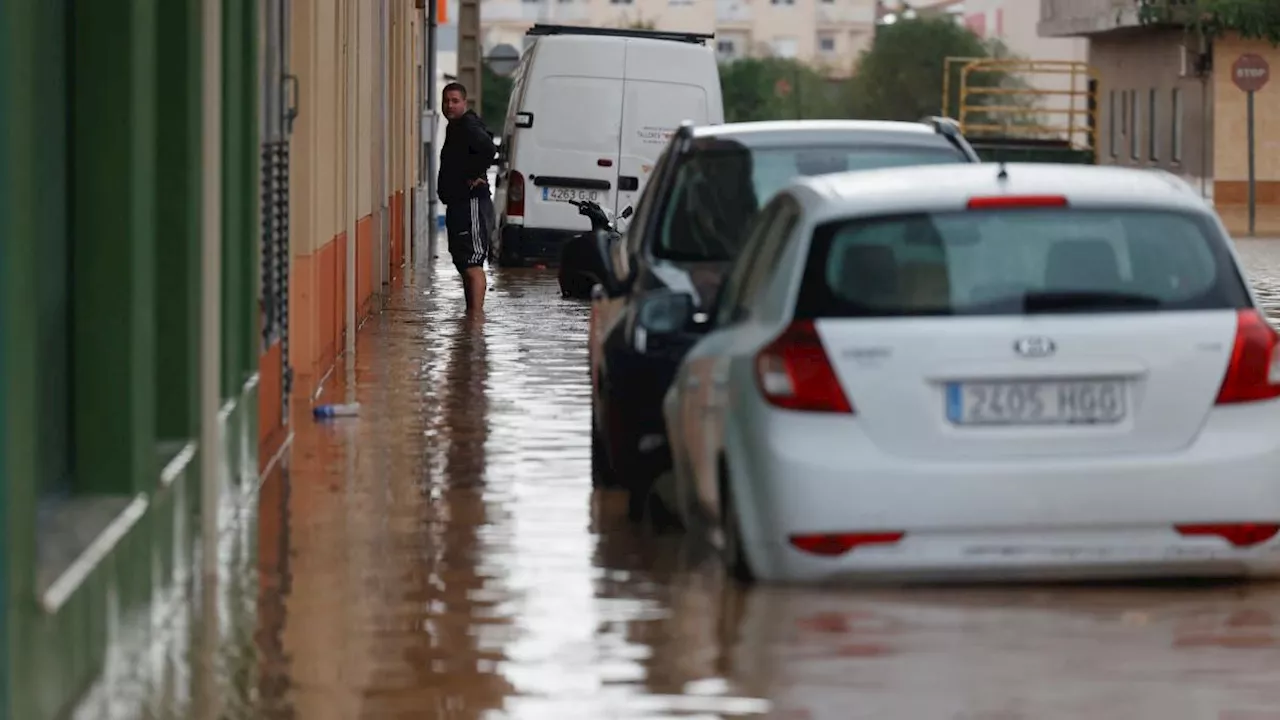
column 443, row 555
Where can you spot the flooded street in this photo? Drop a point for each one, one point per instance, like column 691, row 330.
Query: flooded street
column 444, row 556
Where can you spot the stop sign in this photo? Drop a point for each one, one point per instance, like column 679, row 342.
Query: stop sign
column 1250, row 72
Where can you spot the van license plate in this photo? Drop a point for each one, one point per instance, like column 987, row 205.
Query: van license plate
column 555, row 194
column 1049, row 402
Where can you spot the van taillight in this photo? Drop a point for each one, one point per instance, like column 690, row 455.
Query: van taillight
column 515, row 194
column 794, row 372
column 1254, row 370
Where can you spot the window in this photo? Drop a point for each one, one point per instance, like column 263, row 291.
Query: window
column 1176, row 119
column 1134, row 140
column 772, row 243
column 646, row 209
column 725, row 48
column 1153, row 151
column 718, row 190
column 756, row 232
column 826, row 44
column 1124, row 114
column 1113, row 116
column 1018, row 262
column 783, row 2
column 786, row 47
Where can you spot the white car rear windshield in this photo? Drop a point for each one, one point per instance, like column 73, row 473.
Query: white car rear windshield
column 1012, row 262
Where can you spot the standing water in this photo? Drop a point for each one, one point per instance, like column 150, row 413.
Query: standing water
column 444, row 556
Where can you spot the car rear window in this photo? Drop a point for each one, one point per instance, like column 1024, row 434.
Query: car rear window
column 1012, row 262
column 719, row 188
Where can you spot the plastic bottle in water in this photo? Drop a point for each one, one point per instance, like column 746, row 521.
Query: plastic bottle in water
column 338, row 410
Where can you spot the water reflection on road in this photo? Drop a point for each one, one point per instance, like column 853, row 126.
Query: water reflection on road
column 444, row 556
column 1262, row 259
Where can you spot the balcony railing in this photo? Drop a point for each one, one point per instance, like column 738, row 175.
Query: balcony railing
column 1065, row 18
column 733, row 12
column 846, row 13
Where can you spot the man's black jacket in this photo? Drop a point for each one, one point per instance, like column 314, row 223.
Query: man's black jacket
column 467, row 154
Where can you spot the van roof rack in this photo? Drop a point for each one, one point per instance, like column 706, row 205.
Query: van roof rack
column 689, row 37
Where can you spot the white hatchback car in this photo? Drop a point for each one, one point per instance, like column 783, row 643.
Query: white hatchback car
column 1013, row 371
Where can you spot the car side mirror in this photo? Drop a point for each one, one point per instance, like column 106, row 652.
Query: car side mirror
column 602, row 248
column 626, row 213
column 659, row 315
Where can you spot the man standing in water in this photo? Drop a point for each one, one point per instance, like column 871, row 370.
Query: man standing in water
column 463, row 186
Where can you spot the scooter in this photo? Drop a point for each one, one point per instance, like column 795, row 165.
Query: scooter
column 578, row 264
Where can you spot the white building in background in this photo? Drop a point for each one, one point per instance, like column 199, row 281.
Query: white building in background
column 827, row 33
column 1013, row 22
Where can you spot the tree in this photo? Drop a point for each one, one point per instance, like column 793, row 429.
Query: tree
column 1251, row 19
column 494, row 99
column 775, row 89
column 900, row 76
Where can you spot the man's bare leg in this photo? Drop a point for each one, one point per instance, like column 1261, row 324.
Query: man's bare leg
column 474, row 284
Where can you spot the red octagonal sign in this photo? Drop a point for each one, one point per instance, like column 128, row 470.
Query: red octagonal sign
column 1250, row 72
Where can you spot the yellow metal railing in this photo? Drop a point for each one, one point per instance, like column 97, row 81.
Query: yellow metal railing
column 1059, row 101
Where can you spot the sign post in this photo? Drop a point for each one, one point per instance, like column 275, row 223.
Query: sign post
column 1250, row 73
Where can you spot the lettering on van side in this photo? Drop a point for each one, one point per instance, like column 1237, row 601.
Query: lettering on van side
column 651, row 135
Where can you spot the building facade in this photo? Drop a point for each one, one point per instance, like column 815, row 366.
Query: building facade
column 1154, row 108
column 178, row 183
column 114, row 381
column 1168, row 100
column 354, row 163
column 827, row 33
column 1014, row 23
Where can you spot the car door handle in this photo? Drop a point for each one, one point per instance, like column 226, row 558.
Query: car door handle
column 628, row 183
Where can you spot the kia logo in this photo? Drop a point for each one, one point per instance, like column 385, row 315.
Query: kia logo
column 1034, row 347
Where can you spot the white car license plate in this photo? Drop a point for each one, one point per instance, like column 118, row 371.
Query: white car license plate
column 558, row 194
column 1046, row 402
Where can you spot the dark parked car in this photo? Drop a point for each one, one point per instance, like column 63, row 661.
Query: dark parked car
column 687, row 228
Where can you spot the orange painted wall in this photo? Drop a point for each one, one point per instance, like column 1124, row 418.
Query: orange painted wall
column 325, row 149
column 271, row 428
column 364, row 267
column 317, row 293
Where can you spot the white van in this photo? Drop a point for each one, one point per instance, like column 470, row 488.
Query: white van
column 591, row 109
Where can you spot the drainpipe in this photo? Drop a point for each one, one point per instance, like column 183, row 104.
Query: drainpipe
column 381, row 165
column 211, row 458
column 1205, row 110
column 429, row 119
column 353, row 136
column 408, row 182
column 205, row 692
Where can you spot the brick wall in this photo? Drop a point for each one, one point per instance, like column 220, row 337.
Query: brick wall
column 1141, row 67
column 1230, row 143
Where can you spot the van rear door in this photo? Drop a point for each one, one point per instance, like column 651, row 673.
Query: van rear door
column 576, row 111
column 665, row 85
